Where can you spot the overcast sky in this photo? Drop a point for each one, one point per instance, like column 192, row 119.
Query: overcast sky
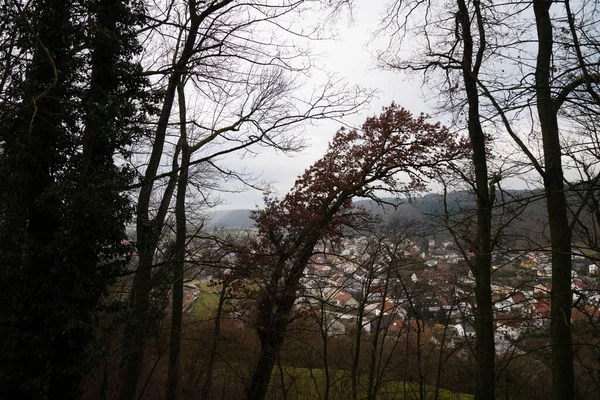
column 349, row 58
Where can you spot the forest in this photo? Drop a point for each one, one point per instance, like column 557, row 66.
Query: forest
column 449, row 255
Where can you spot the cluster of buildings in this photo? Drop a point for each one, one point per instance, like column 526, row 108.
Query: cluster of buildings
column 435, row 287
column 427, row 288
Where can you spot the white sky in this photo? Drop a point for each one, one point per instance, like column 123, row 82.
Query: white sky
column 350, row 59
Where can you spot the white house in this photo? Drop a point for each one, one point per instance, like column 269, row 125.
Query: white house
column 465, row 330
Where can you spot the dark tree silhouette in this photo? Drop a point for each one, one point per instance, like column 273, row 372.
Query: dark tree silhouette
column 69, row 103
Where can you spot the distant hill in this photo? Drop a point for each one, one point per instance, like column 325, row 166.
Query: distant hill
column 526, row 211
column 416, row 209
column 230, row 219
column 529, row 225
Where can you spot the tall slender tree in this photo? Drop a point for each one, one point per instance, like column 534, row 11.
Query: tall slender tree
column 461, row 56
column 555, row 81
column 563, row 381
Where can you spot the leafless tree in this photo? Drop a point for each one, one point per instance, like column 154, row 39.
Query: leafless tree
column 519, row 87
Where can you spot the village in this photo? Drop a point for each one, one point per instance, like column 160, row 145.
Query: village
column 434, row 286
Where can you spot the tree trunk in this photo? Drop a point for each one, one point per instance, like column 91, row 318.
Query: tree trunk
column 148, row 230
column 420, row 361
column 371, row 387
column 274, row 311
column 215, row 345
column 438, row 374
column 560, row 235
column 148, row 233
column 274, row 321
column 484, row 317
column 324, row 332
column 135, row 334
column 358, row 338
column 270, row 343
column 173, row 379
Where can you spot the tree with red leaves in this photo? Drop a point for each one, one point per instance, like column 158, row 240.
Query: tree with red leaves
column 394, row 153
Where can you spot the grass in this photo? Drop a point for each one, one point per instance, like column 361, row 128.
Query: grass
column 309, row 384
column 207, row 302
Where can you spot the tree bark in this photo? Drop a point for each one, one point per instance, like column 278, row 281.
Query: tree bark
column 560, row 234
column 484, row 316
column 148, row 234
column 354, row 373
column 173, row 378
column 371, row 387
column 324, row 337
column 270, row 344
column 205, row 394
column 274, row 309
column 357, row 340
column 148, row 230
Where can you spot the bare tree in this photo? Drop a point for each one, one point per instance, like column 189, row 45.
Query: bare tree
column 554, row 79
column 245, row 95
column 470, row 47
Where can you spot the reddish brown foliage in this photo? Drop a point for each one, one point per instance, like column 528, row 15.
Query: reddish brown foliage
column 392, row 153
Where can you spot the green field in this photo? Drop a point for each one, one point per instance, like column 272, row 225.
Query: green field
column 207, row 302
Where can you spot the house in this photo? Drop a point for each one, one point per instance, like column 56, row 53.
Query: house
column 443, row 267
column 503, row 304
column 366, row 325
column 578, row 284
column 389, row 308
column 345, row 299
column 333, row 326
column 518, row 300
column 465, row 330
column 540, row 313
column 542, row 289
column 431, row 243
column 410, row 328
column 509, row 326
column 396, row 326
column 447, row 244
column 544, row 271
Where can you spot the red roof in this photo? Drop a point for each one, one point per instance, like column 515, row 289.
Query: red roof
column 580, row 284
column 542, row 308
column 400, row 326
column 583, row 313
column 443, row 267
column 343, row 298
column 396, row 326
column 388, row 307
column 518, row 298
